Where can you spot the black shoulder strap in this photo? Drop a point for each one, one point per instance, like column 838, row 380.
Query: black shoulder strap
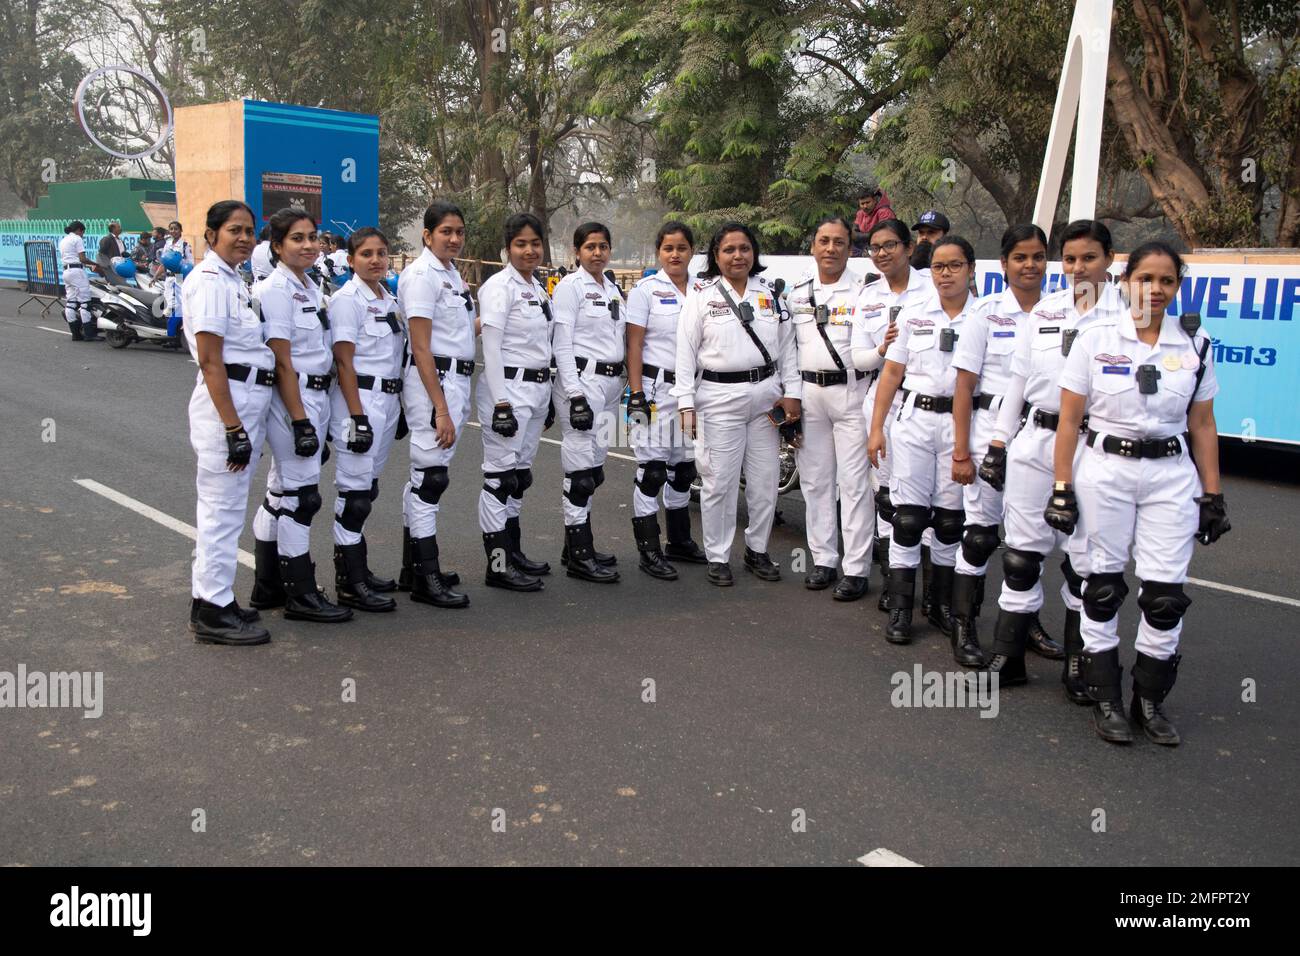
column 820, row 322
column 745, row 323
column 1200, row 370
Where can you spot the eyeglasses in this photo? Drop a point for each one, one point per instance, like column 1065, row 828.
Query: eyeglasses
column 884, row 247
column 943, row 268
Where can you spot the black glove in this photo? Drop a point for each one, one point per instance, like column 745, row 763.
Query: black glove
column 504, row 422
column 638, row 409
column 305, row 442
column 239, row 447
column 403, row 429
column 1214, row 519
column 581, row 416
column 993, row 469
column 363, row 435
column 1062, row 511
column 550, row 415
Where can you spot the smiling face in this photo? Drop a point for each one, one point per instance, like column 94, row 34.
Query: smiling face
column 300, row 247
column 593, row 254
column 370, row 261
column 1151, row 286
column 1087, row 264
column 234, row 241
column 447, row 239
column 889, row 254
column 735, row 256
column 675, row 255
column 1026, row 265
column 175, row 230
column 525, row 251
column 830, row 247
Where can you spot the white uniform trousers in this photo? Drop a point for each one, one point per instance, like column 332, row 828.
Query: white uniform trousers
column 580, row 451
column 76, row 296
column 922, row 475
column 274, row 520
column 982, row 504
column 354, row 472
column 733, row 431
column 1028, row 487
column 421, row 516
column 834, row 453
column 662, row 440
column 222, row 494
column 529, row 401
column 1145, row 505
column 880, row 475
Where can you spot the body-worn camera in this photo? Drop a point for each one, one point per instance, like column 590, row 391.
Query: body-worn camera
column 822, row 314
column 613, row 309
column 1067, row 340
column 1147, row 376
column 947, row 339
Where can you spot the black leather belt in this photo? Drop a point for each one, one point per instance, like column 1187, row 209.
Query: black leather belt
column 265, row 376
column 931, row 403
column 1138, row 447
column 538, row 375
column 986, row 401
column 608, row 369
column 463, row 366
column 73, row 265
column 318, row 383
column 390, row 386
column 653, row 370
column 837, row 377
column 1048, row 420
column 751, row 375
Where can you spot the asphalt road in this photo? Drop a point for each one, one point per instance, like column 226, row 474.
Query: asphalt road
column 771, row 704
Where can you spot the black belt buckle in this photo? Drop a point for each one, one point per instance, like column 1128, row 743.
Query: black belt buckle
column 391, row 386
column 755, row 375
column 264, row 377
column 318, row 383
column 925, row 403
column 465, row 366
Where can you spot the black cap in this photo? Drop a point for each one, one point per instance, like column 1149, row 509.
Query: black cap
column 934, row 219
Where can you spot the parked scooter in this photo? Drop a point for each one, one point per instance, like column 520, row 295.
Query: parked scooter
column 127, row 313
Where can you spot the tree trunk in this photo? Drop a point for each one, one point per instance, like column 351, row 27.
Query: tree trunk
column 490, row 64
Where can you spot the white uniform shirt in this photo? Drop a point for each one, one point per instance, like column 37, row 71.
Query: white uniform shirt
column 841, row 300
column 920, row 332
column 427, row 289
column 1040, row 355
column 710, row 336
column 1103, row 367
column 514, row 305
column 871, row 317
column 655, row 304
column 181, row 246
column 215, row 299
column 260, row 261
column 586, row 325
column 367, row 320
column 988, row 342
column 71, row 248
column 292, row 311
column 339, row 260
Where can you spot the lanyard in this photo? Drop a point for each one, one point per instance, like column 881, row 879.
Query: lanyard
column 820, row 317
column 745, row 323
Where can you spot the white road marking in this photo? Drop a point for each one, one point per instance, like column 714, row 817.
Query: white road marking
column 48, row 329
column 553, row 441
column 1278, row 599
column 153, row 514
column 883, row 857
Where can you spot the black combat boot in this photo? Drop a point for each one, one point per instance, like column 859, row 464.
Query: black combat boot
column 580, row 558
column 600, row 557
column 449, row 578
column 652, row 562
column 428, row 586
column 502, row 570
column 1041, row 643
column 1103, row 675
column 268, row 589
column 350, row 579
column 1152, row 681
column 213, row 624
column 533, row 569
column 940, row 613
column 1072, row 671
column 761, row 565
column 304, row 601
column 1009, row 636
column 964, row 636
column 882, row 558
column 75, row 328
column 902, row 595
column 680, row 547
column 374, row 581
column 927, row 582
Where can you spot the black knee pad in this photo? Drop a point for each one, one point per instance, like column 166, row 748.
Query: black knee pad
column 598, row 475
column 1073, row 579
column 1162, row 604
column 948, row 524
column 309, row 502
column 654, row 475
column 910, row 522
column 1020, row 569
column 683, row 476
column 374, row 490
column 582, row 485
column 507, row 484
column 885, row 504
column 433, row 483
column 523, row 481
column 1103, row 594
column 978, row 542
column 356, row 508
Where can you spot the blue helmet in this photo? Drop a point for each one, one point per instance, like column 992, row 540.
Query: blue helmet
column 171, row 260
column 391, row 281
column 124, row 267
column 186, row 268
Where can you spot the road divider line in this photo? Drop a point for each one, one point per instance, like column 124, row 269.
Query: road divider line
column 153, row 514
column 1247, row 592
column 554, row 441
column 48, row 329
column 883, row 857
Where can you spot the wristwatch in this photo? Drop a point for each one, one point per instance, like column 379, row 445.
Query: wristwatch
column 1060, row 486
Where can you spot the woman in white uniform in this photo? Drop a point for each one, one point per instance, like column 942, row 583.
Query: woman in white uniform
column 228, row 412
column 983, row 360
column 76, row 287
column 664, row 459
column 737, row 380
column 369, row 349
column 1020, row 458
column 588, row 342
column 516, row 328
column 875, row 327
column 440, row 316
column 831, row 454
column 1147, row 483
column 921, row 486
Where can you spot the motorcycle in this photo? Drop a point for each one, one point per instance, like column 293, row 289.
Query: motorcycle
column 787, row 481
column 128, row 313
